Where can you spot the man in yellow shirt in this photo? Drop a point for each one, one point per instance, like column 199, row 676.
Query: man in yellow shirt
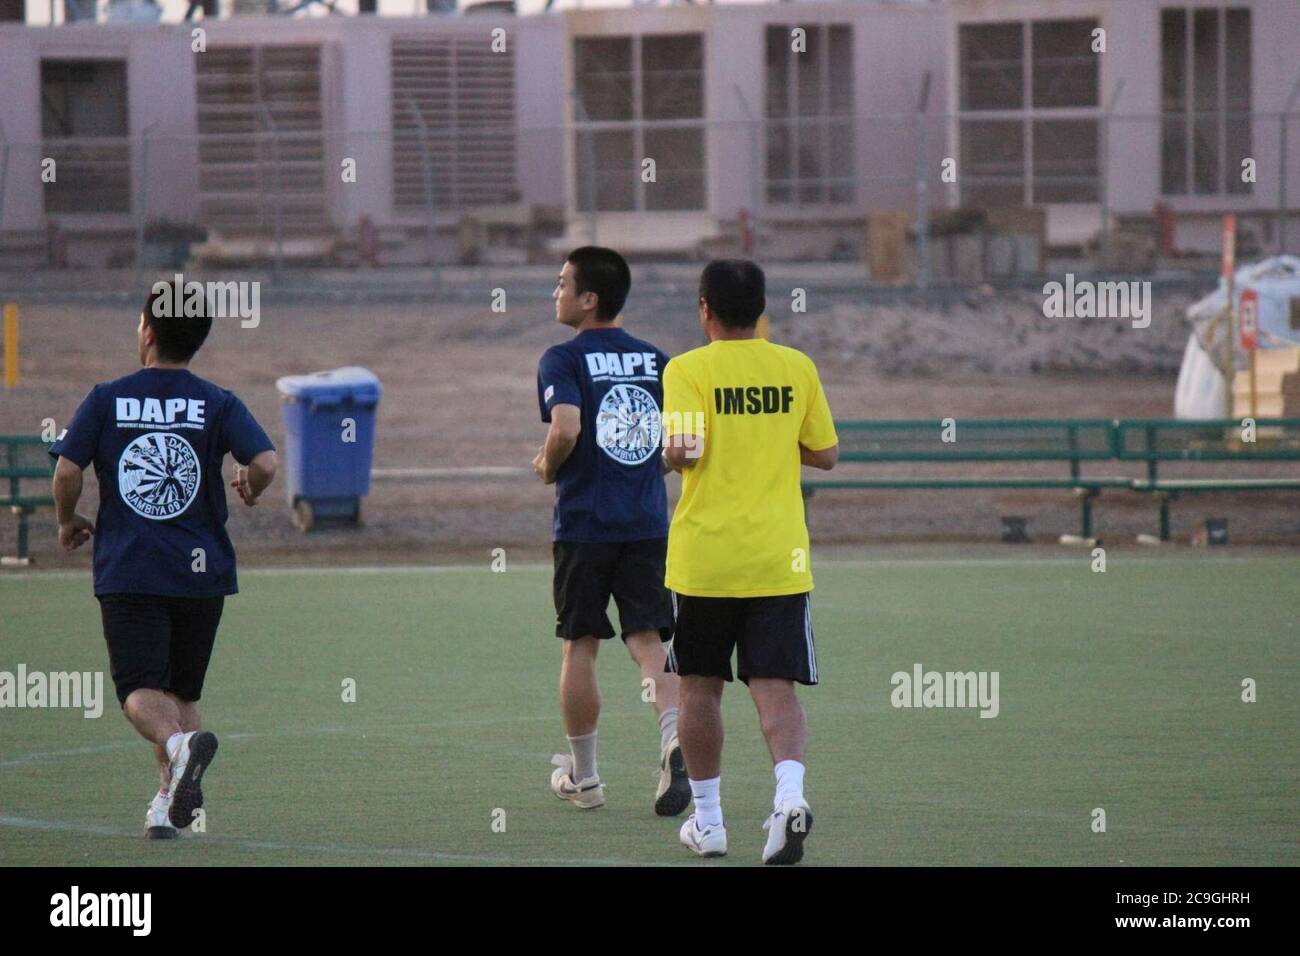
column 740, row 417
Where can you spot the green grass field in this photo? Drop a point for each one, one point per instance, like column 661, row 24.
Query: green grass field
column 1119, row 690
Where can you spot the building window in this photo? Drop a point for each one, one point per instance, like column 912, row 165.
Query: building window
column 84, row 130
column 1036, row 86
column 1205, row 100
column 809, row 114
column 464, row 95
column 261, row 148
column 638, row 98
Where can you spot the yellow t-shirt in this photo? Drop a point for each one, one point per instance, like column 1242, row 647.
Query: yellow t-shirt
column 739, row 530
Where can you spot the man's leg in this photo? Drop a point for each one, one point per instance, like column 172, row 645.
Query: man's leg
column 781, row 716
column 699, row 728
column 776, row 653
column 673, row 793
column 153, row 714
column 785, row 728
column 194, row 624
column 581, row 591
column 645, row 610
column 191, row 719
column 188, row 711
column 575, row 778
column 649, row 654
column 579, row 691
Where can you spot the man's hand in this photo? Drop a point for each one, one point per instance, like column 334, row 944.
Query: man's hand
column 73, row 534
column 539, row 467
column 241, row 485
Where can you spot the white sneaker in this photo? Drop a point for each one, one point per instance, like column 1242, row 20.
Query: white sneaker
column 196, row 751
column 708, row 842
column 674, row 793
column 587, row 794
column 156, row 824
column 786, row 829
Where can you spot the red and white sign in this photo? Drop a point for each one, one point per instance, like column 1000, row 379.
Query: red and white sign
column 1248, row 320
column 1229, row 245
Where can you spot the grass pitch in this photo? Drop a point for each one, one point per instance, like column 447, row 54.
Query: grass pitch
column 1119, row 690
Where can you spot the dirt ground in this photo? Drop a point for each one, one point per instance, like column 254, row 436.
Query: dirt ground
column 459, row 390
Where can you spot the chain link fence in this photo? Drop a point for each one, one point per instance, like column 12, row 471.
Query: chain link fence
column 916, row 198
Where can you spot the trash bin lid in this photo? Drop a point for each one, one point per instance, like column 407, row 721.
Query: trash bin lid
column 333, row 385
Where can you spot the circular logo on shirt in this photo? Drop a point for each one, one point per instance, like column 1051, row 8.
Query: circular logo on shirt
column 158, row 475
column 628, row 428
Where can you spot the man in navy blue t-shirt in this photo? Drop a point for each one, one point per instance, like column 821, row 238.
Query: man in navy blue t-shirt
column 163, row 561
column 601, row 392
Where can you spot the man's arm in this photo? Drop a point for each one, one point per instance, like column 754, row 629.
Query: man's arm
column 254, row 478
column 683, row 451
column 824, row 459
column 74, row 529
column 561, row 439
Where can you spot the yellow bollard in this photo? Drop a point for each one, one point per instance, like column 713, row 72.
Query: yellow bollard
column 11, row 345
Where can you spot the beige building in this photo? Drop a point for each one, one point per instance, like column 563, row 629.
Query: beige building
column 663, row 130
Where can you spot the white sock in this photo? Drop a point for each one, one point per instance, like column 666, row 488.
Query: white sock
column 584, row 756
column 708, row 802
column 667, row 726
column 173, row 744
column 160, row 800
column 789, row 783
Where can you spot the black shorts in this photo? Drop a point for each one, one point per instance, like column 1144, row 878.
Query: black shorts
column 587, row 574
column 158, row 642
column 772, row 637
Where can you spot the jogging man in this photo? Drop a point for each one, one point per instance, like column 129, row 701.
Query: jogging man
column 601, row 392
column 163, row 560
column 740, row 416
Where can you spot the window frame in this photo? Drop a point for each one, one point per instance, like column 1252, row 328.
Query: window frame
column 1191, row 118
column 585, row 130
column 116, row 150
column 818, row 127
column 1030, row 114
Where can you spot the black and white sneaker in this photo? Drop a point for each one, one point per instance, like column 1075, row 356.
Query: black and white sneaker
column 786, row 829
column 191, row 761
column 674, row 793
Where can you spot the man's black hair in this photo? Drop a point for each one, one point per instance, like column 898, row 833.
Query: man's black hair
column 178, row 336
column 604, row 272
column 735, row 290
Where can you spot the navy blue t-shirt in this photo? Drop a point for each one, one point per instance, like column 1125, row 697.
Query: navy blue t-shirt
column 157, row 439
column 611, row 487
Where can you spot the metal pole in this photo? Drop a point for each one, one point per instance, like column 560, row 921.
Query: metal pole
column 1282, row 170
column 589, row 157
column 756, row 168
column 4, row 172
column 1103, row 178
column 1229, row 357
column 143, row 205
column 923, row 186
column 426, row 162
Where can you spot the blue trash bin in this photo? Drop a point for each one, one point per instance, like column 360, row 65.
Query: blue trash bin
column 329, row 424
